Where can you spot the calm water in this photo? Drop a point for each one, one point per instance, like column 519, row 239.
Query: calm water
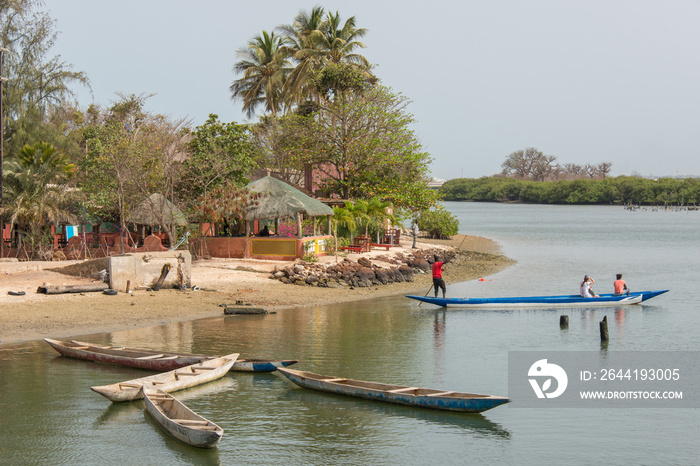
column 48, row 415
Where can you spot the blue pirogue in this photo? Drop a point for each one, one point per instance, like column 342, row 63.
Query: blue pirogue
column 542, row 301
column 399, row 394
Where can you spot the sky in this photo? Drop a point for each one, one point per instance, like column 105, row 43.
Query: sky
column 587, row 81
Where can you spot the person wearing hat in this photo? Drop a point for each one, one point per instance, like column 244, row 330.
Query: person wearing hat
column 586, row 290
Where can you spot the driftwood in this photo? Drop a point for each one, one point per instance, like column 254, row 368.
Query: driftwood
column 244, row 310
column 161, row 279
column 60, row 289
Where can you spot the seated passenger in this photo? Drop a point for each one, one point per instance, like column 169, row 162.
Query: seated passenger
column 620, row 286
column 264, row 232
column 586, row 290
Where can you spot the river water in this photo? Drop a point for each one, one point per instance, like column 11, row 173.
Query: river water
column 48, row 414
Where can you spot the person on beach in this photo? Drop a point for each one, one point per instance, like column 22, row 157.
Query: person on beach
column 438, row 282
column 586, row 290
column 620, row 286
column 415, row 233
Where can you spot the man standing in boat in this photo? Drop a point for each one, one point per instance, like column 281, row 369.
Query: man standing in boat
column 438, row 282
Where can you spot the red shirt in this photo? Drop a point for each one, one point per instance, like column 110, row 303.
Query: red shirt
column 437, row 269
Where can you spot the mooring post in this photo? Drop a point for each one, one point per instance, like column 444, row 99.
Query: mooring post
column 563, row 321
column 128, row 286
column 604, row 336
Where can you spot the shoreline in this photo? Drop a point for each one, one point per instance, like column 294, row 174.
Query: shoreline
column 36, row 316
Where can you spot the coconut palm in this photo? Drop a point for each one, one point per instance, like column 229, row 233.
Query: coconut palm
column 378, row 211
column 314, row 41
column 264, row 67
column 344, row 217
column 35, row 188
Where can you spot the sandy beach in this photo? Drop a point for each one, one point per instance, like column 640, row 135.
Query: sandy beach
column 34, row 316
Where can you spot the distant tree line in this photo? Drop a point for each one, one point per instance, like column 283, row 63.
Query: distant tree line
column 617, row 190
column 532, row 164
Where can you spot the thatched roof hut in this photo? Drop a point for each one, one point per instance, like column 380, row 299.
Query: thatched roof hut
column 148, row 212
column 283, row 201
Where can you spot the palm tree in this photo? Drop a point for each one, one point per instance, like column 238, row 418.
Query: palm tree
column 314, row 41
column 264, row 67
column 378, row 211
column 35, row 189
column 341, row 216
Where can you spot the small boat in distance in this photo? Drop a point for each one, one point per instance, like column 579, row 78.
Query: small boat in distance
column 399, row 394
column 179, row 421
column 573, row 300
column 178, row 379
column 153, row 360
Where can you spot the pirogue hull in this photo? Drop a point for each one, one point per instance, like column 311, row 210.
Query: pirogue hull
column 153, row 360
column 179, row 421
column 398, row 394
column 171, row 381
column 605, row 300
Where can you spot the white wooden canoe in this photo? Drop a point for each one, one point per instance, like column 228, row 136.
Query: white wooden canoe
column 177, row 379
column 179, row 421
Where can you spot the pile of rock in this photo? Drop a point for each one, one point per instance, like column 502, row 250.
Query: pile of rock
column 361, row 273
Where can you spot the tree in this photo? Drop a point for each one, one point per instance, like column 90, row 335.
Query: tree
column 264, row 68
column 36, row 183
column 131, row 154
column 218, row 153
column 362, row 146
column 37, row 86
column 314, row 42
column 529, row 164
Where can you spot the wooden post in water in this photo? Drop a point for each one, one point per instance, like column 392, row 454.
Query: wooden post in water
column 564, row 321
column 604, row 336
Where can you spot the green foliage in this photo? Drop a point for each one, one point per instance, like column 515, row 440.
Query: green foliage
column 35, row 193
column 619, row 190
column 39, row 87
column 310, row 257
column 219, row 154
column 439, row 223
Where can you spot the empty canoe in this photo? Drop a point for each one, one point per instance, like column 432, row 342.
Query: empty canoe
column 179, row 421
column 400, row 394
column 153, row 359
column 171, row 381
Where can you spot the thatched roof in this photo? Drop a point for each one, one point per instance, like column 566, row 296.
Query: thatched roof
column 152, row 207
column 282, row 201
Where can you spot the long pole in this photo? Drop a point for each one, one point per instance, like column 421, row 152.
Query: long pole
column 2, row 155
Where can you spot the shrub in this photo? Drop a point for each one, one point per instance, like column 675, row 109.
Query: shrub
column 438, row 223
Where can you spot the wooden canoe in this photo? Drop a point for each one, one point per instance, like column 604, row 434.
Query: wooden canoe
column 171, row 381
column 400, row 394
column 160, row 361
column 179, row 421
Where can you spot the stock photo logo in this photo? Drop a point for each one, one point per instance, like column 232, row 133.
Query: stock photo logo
column 542, row 373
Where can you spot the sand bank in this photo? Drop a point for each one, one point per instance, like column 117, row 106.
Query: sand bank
column 35, row 316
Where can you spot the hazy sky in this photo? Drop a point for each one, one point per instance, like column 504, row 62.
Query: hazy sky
column 587, row 81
